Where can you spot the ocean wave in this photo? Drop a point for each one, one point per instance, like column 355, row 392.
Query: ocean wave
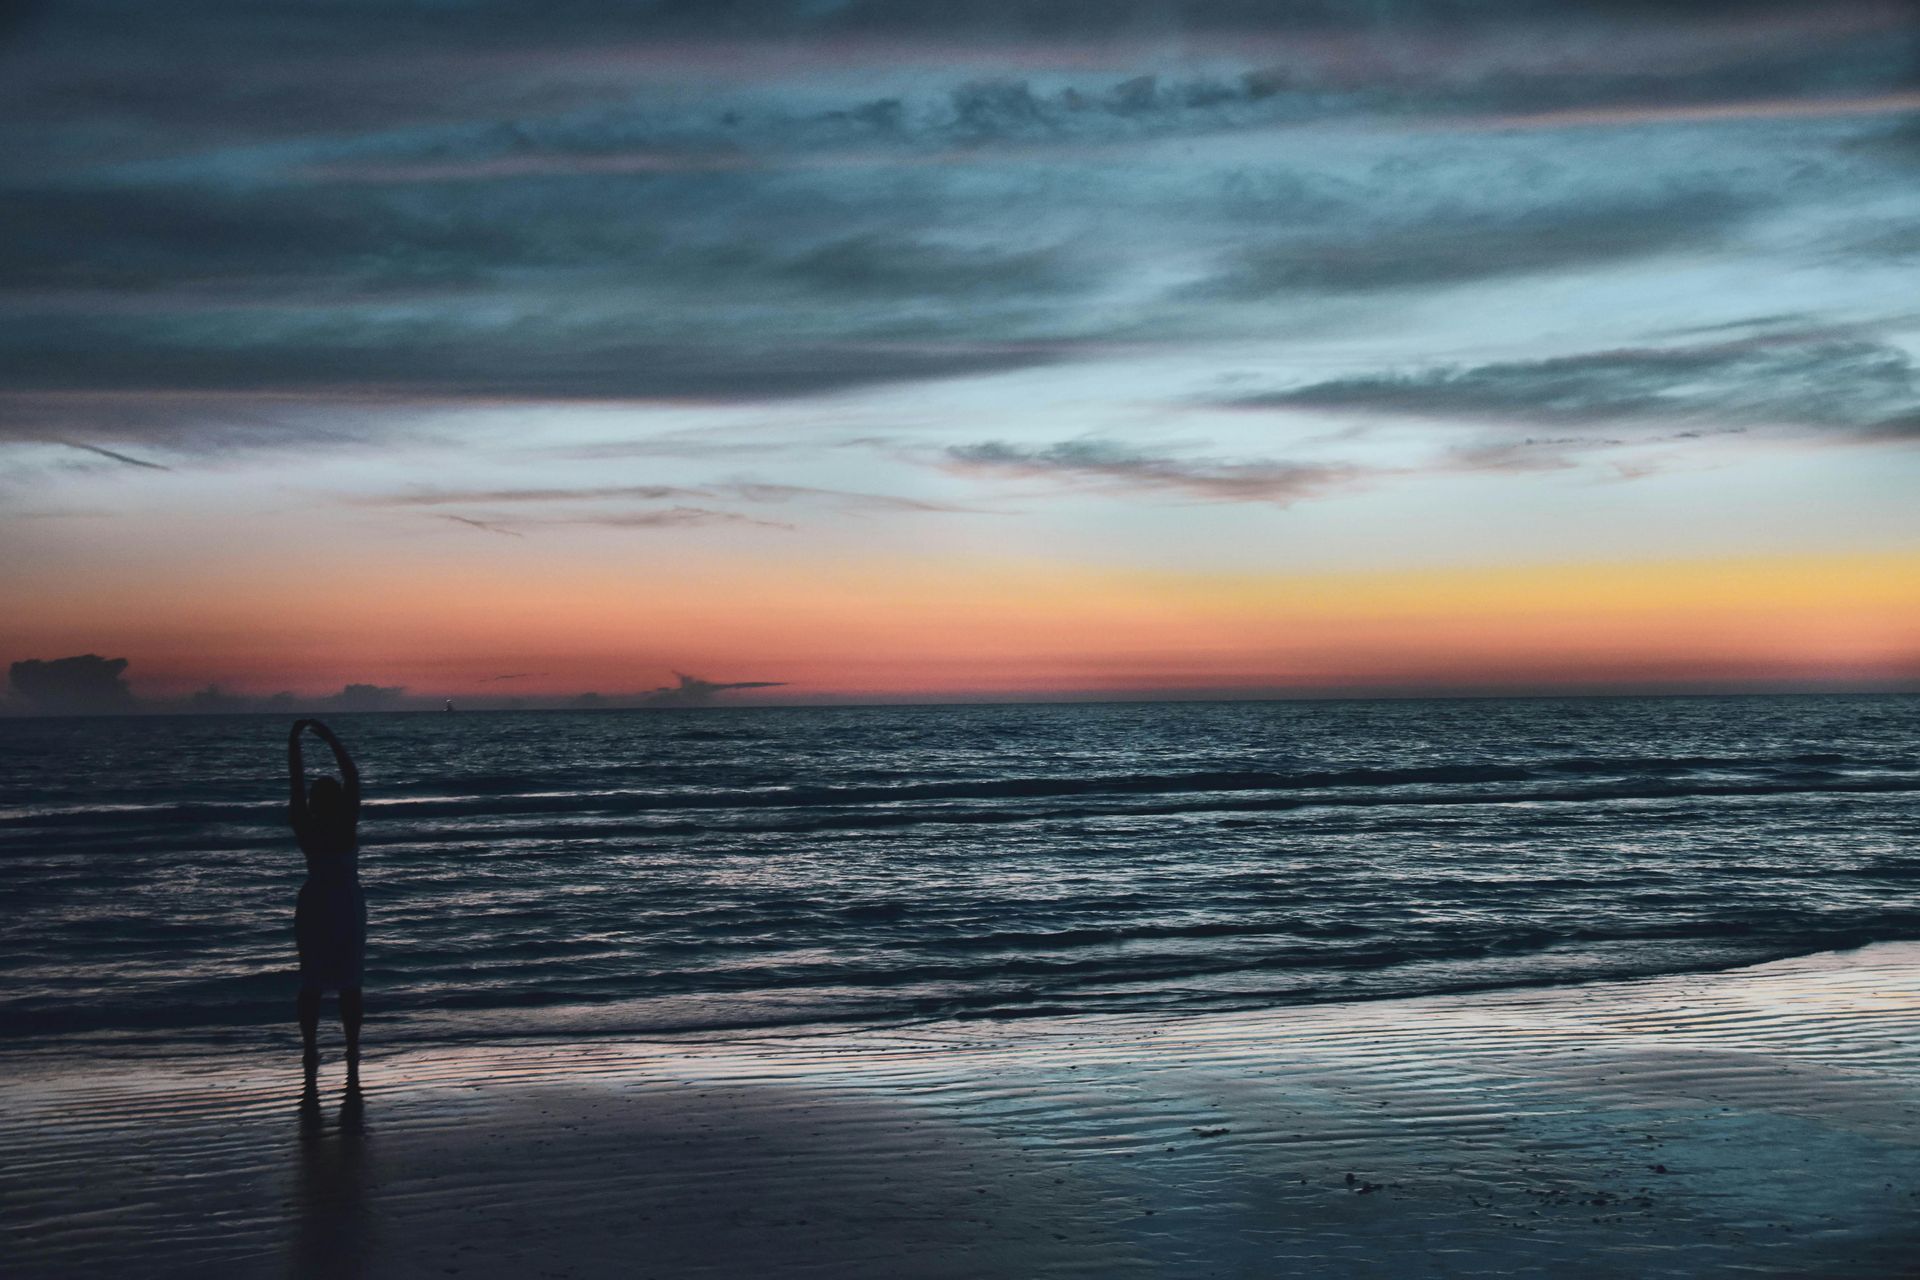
column 1637, row 779
column 801, row 869
column 1035, row 986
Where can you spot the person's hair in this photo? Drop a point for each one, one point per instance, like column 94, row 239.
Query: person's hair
column 327, row 803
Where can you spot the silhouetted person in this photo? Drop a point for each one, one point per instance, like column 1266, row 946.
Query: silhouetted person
column 330, row 924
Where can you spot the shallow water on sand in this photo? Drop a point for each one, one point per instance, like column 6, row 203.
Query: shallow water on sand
column 1759, row 1122
column 579, row 873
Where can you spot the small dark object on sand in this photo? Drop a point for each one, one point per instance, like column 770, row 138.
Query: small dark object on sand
column 1211, row 1133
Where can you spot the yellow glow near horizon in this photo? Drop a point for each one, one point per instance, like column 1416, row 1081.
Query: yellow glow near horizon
column 933, row 628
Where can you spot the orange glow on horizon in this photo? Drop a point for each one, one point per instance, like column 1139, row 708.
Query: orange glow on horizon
column 893, row 629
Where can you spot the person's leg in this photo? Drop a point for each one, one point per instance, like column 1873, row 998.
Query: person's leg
column 351, row 1013
column 309, row 1006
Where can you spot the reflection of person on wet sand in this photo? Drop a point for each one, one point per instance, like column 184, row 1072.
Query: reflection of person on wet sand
column 330, row 924
column 335, row 1235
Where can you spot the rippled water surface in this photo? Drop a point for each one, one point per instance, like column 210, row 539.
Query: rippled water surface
column 573, row 873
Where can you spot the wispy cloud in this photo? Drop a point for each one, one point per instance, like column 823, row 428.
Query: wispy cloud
column 467, row 497
column 1810, row 384
column 1108, row 465
column 567, row 500
column 203, row 421
column 117, row 457
column 485, row 526
column 840, row 499
column 670, row 518
column 676, row 517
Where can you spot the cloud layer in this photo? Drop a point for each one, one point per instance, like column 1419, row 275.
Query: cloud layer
column 1111, row 466
column 641, row 203
column 1808, row 384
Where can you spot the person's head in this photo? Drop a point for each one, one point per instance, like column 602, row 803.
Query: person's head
column 327, row 804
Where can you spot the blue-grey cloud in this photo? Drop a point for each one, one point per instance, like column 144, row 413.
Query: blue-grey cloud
column 508, row 63
column 355, row 203
column 540, row 360
column 1815, row 383
column 1450, row 246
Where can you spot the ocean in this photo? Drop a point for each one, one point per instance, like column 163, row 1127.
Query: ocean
column 737, row 869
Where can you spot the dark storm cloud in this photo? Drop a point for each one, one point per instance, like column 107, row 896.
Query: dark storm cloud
column 1106, row 465
column 1818, row 383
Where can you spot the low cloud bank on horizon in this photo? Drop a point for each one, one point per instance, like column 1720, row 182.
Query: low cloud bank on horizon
column 88, row 684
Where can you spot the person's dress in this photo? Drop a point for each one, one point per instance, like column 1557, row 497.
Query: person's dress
column 330, row 922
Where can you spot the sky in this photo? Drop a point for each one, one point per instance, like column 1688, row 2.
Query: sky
column 920, row 351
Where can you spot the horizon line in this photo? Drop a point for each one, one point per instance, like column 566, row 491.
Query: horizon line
column 164, row 710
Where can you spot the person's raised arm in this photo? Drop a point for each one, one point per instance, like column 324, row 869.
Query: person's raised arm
column 296, row 771
column 349, row 774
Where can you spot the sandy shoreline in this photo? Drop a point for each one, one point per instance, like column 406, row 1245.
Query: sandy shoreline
column 1764, row 1121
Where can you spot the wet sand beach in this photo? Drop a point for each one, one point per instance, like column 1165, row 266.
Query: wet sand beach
column 1762, row 1121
